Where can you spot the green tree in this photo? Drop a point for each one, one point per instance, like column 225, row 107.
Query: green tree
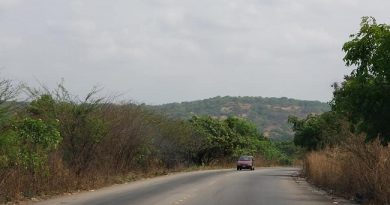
column 216, row 138
column 243, row 127
column 317, row 131
column 36, row 139
column 364, row 96
column 307, row 132
column 225, row 138
column 246, row 136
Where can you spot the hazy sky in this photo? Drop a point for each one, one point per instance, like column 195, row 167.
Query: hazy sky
column 159, row 51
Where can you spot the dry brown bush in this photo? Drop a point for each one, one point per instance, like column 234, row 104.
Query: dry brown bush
column 355, row 169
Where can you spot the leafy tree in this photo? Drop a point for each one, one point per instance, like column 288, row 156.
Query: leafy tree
column 36, row 139
column 364, row 96
column 247, row 136
column 307, row 132
column 317, row 131
column 228, row 138
column 28, row 143
column 243, row 127
column 216, row 138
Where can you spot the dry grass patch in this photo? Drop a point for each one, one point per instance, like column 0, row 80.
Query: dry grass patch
column 355, row 170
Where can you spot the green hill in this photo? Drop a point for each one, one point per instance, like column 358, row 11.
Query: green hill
column 269, row 114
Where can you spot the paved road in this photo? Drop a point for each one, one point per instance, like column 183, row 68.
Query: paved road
column 219, row 187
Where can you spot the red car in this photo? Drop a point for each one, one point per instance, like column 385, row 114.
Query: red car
column 246, row 162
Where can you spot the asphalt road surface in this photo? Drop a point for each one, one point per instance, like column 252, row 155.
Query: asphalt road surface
column 268, row 186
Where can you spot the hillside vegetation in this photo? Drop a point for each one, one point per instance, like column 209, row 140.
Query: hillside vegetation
column 269, row 114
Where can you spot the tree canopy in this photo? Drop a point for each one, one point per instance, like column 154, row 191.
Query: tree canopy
column 364, row 96
column 317, row 131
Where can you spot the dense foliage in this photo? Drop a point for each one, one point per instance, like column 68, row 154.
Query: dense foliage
column 317, row 131
column 230, row 137
column 364, row 96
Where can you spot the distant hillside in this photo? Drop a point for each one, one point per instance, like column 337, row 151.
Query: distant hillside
column 269, row 114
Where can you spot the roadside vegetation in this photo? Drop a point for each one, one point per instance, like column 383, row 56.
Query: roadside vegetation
column 347, row 147
column 56, row 142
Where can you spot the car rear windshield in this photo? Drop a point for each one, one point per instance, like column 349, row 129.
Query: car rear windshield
column 245, row 158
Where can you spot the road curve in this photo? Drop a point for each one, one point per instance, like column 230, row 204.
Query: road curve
column 217, row 187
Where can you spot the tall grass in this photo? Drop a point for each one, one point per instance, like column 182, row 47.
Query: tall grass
column 355, row 169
